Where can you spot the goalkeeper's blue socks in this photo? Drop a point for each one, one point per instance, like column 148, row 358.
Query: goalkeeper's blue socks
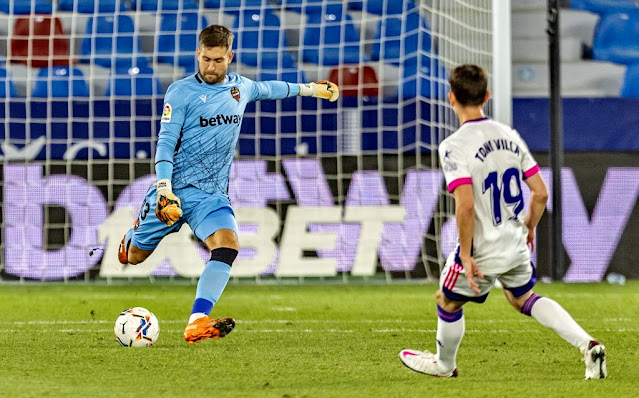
column 212, row 281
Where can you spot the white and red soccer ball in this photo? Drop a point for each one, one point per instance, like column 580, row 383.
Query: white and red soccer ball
column 136, row 327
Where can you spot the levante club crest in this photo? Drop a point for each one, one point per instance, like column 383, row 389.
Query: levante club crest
column 235, row 92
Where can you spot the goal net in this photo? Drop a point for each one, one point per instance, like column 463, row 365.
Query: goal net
column 348, row 190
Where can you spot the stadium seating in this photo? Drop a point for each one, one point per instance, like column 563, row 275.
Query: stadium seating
column 290, row 76
column 329, row 41
column 617, row 38
column 398, row 37
column 61, row 81
column 630, row 88
column 430, row 78
column 330, row 38
column 306, row 6
column 381, row 7
column 33, row 44
column 93, row 6
column 176, row 40
column 166, row 5
column 260, row 40
column 7, row 87
column 605, row 6
column 236, row 6
column 21, row 7
column 100, row 47
column 286, row 105
column 348, row 79
column 134, row 81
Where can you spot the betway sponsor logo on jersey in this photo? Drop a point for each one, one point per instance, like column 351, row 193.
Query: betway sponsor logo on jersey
column 220, row 120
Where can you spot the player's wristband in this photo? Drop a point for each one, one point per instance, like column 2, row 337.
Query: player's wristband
column 306, row 90
column 163, row 186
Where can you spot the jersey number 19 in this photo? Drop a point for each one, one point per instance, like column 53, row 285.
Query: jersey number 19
column 502, row 189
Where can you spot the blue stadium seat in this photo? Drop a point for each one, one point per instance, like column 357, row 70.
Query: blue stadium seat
column 391, row 31
column 287, row 122
column 605, row 6
column 24, row 6
column 7, row 87
column 260, row 40
column 100, row 47
column 330, row 38
column 235, row 6
column 630, row 88
column 182, row 53
column 381, row 7
column 167, row 5
column 357, row 5
column 134, row 81
column 617, row 38
column 307, row 6
column 93, row 6
column 284, row 76
column 431, row 77
column 55, row 82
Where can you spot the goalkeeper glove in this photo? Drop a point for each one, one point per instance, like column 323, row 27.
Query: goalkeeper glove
column 168, row 208
column 323, row 89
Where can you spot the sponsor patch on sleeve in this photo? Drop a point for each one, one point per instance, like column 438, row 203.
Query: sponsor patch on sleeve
column 166, row 114
column 449, row 166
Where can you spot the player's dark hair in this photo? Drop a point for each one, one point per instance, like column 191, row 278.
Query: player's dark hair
column 216, row 36
column 469, row 83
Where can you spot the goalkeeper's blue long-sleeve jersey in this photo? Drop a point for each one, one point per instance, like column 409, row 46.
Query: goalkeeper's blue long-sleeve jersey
column 201, row 124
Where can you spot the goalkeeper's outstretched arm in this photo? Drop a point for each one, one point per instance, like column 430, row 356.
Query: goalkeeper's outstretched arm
column 273, row 90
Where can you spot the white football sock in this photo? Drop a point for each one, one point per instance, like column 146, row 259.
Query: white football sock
column 552, row 315
column 196, row 315
column 449, row 337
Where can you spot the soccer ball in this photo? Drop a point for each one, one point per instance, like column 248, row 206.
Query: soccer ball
column 136, row 327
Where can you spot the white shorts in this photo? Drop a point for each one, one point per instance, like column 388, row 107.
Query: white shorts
column 519, row 280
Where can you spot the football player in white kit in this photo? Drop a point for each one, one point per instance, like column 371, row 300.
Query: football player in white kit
column 485, row 163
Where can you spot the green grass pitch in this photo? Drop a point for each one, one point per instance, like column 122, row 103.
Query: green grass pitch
column 306, row 341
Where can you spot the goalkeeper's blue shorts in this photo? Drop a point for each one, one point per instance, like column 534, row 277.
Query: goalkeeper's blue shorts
column 204, row 212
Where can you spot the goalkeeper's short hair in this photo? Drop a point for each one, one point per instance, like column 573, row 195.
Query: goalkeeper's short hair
column 216, row 36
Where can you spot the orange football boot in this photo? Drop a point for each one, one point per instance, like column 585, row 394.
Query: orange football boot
column 207, row 327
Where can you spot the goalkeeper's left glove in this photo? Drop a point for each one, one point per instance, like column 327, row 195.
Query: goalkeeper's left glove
column 323, row 89
column 168, row 208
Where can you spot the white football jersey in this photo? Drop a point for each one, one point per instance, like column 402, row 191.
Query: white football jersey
column 495, row 160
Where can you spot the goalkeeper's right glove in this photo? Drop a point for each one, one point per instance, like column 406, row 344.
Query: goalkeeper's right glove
column 323, row 89
column 168, row 208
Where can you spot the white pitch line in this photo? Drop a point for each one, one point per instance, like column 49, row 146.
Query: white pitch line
column 400, row 330
column 297, row 321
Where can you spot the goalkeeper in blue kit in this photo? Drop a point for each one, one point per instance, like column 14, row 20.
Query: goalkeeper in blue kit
column 200, row 127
